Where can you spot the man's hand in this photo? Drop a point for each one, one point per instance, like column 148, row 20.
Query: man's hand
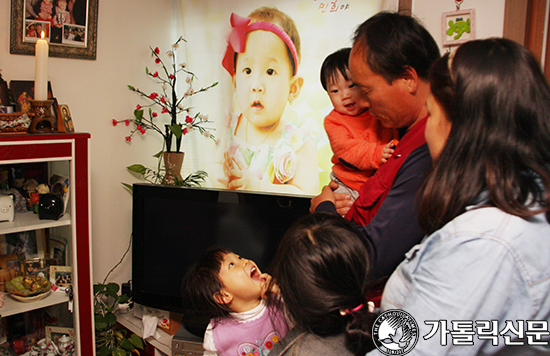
column 341, row 201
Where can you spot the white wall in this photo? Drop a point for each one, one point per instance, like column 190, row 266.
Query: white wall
column 96, row 92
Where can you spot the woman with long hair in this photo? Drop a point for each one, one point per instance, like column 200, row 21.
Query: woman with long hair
column 481, row 277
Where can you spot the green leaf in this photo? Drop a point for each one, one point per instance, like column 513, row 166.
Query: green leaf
column 131, row 88
column 128, row 186
column 123, row 299
column 110, row 319
column 137, row 341
column 127, row 345
column 176, row 130
column 100, row 323
column 138, row 114
column 112, row 289
column 104, row 351
column 119, row 352
column 157, row 155
column 98, row 288
column 138, row 168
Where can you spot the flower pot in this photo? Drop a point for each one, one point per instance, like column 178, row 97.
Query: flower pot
column 172, row 163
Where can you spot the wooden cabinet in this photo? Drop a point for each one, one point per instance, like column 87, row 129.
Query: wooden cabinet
column 66, row 155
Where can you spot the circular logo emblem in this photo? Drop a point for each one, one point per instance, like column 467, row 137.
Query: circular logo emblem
column 395, row 332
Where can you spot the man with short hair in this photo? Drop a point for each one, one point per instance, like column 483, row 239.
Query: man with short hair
column 389, row 61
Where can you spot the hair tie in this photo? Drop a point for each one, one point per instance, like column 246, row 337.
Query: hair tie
column 236, row 43
column 351, row 311
column 370, row 305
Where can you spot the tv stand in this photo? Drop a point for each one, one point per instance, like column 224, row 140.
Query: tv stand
column 135, row 325
column 180, row 344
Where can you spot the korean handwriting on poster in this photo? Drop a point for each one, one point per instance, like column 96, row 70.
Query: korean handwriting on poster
column 332, row 6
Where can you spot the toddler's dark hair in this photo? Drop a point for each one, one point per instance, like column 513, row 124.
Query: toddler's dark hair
column 335, row 63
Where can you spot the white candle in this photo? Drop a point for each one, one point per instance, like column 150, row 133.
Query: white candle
column 41, row 69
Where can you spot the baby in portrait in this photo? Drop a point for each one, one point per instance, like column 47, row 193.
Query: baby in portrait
column 260, row 149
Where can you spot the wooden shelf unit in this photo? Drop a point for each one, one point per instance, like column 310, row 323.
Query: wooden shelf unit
column 53, row 148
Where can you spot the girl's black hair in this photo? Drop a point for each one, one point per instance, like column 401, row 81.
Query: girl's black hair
column 337, row 62
column 201, row 282
column 199, row 285
column 495, row 95
column 322, row 268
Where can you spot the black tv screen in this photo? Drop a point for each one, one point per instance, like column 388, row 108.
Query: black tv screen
column 173, row 226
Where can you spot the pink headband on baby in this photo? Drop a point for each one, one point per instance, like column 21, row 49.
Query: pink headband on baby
column 237, row 40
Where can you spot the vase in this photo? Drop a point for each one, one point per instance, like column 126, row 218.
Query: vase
column 172, row 163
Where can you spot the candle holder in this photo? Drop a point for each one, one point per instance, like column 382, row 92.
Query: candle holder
column 42, row 120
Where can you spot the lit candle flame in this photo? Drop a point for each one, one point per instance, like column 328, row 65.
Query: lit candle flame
column 42, row 35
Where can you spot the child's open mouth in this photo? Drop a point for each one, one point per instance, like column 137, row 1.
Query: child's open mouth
column 255, row 274
column 257, row 105
column 350, row 107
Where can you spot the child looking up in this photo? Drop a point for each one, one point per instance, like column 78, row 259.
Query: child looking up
column 232, row 291
column 262, row 150
column 359, row 142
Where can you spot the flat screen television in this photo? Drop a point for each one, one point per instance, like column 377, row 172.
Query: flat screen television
column 173, row 226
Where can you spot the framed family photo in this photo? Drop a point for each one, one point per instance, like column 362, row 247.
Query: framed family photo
column 70, row 26
column 23, row 91
column 62, row 275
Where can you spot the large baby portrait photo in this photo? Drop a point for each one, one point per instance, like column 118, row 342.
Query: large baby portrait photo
column 270, row 105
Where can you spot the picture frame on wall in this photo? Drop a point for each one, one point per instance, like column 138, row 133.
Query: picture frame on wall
column 71, row 34
column 458, row 27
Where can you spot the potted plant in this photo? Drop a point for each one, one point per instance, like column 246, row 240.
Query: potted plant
column 110, row 337
column 169, row 103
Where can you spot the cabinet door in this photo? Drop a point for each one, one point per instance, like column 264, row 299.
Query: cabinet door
column 46, row 244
